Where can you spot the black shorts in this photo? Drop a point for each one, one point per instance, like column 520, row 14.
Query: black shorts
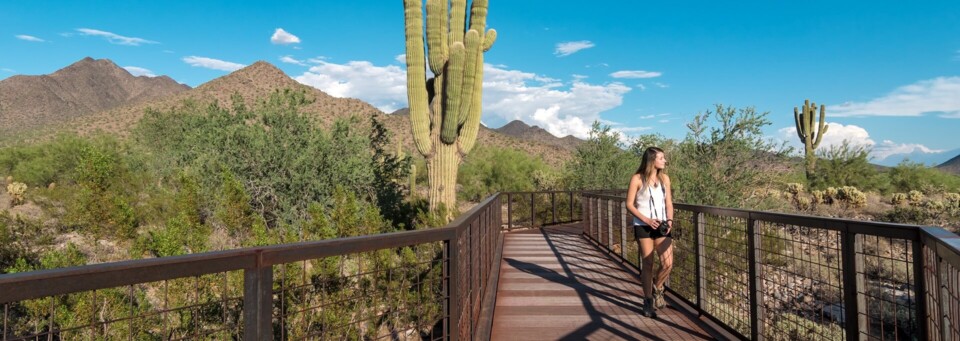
column 645, row 231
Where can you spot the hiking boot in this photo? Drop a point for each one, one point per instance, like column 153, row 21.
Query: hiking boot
column 648, row 309
column 658, row 300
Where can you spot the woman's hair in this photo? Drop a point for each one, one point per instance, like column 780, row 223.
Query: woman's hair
column 647, row 168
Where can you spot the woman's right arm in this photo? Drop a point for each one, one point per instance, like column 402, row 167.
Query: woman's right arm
column 632, row 198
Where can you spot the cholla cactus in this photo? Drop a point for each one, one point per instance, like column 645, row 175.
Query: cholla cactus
column 795, row 188
column 898, row 198
column 803, row 203
column 915, row 196
column 819, row 196
column 16, row 191
column 953, row 199
column 831, row 195
column 852, row 196
column 9, row 179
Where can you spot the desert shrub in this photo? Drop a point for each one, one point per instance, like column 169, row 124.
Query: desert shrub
column 601, row 162
column 723, row 162
column 792, row 327
column 847, row 165
column 178, row 237
column 831, row 194
column 898, row 198
column 803, row 203
column 953, row 199
column 488, row 170
column 915, row 176
column 40, row 164
column 915, row 196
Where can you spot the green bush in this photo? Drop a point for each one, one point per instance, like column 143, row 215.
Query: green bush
column 601, row 162
column 847, row 165
column 488, row 170
column 908, row 176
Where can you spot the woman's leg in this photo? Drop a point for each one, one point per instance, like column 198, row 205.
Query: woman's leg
column 665, row 250
column 646, row 258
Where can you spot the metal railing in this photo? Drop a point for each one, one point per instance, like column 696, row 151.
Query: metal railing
column 535, row 209
column 426, row 284
column 763, row 275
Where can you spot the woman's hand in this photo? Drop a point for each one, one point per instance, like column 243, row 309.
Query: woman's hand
column 669, row 223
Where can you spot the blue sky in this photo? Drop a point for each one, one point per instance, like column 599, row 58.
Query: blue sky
column 889, row 71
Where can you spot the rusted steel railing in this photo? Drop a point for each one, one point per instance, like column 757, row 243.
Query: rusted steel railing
column 763, row 275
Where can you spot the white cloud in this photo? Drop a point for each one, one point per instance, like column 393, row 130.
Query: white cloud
column 8, row 70
column 856, row 136
column 281, row 37
column 641, row 87
column 661, row 85
column 139, row 71
column 114, row 38
column 560, row 109
column 291, row 60
column 567, row 48
column 938, row 95
column 29, row 38
column 401, row 58
column 383, row 86
column 211, row 63
column 635, row 74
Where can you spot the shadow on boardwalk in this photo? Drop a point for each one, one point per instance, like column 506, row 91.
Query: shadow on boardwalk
column 556, row 285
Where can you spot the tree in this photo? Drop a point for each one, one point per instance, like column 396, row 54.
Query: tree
column 601, row 162
column 445, row 110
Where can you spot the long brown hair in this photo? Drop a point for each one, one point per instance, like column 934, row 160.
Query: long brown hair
column 647, row 168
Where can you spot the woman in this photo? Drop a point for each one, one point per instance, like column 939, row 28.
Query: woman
column 650, row 201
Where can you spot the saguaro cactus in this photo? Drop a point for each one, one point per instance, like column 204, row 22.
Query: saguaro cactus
column 809, row 134
column 445, row 109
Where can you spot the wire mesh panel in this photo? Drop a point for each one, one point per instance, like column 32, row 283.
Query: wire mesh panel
column 801, row 282
column 383, row 294
column 198, row 307
column 683, row 278
column 727, row 290
column 889, row 288
column 950, row 294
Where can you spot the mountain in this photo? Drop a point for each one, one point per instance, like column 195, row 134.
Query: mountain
column 927, row 158
column 85, row 87
column 259, row 80
column 523, row 131
column 951, row 166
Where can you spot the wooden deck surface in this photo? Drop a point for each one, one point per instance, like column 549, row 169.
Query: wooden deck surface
column 556, row 285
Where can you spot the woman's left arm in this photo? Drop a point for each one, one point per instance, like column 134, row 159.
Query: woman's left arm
column 668, row 201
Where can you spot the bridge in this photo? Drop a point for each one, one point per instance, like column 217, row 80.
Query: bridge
column 520, row 266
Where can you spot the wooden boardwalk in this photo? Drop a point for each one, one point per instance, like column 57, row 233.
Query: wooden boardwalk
column 557, row 285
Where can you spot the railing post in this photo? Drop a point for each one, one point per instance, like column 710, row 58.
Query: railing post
column 509, row 212
column 700, row 259
column 451, row 271
column 553, row 204
column 623, row 232
column 533, row 210
column 854, row 319
column 920, row 294
column 571, row 206
column 754, row 256
column 609, row 223
column 258, row 301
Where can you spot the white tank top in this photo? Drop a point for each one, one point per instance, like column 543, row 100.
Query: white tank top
column 650, row 201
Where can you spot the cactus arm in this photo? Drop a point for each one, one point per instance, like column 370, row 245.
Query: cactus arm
column 468, row 134
column 472, row 51
column 488, row 39
column 454, row 88
column 416, row 76
column 822, row 129
column 458, row 18
column 478, row 15
column 437, row 34
column 797, row 118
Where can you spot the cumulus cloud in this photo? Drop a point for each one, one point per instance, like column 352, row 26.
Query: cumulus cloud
column 635, row 74
column 291, row 60
column 939, row 95
column 211, row 63
column 281, row 37
column 114, row 38
column 139, row 71
column 857, row 136
column 29, row 38
column 567, row 48
column 556, row 107
column 383, row 86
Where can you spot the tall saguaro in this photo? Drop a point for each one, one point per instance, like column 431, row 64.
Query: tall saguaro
column 445, row 109
column 809, row 134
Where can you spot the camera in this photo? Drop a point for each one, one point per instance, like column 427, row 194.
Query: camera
column 664, row 225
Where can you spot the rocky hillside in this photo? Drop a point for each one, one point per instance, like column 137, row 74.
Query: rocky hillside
column 951, row 166
column 525, row 132
column 260, row 79
column 83, row 88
